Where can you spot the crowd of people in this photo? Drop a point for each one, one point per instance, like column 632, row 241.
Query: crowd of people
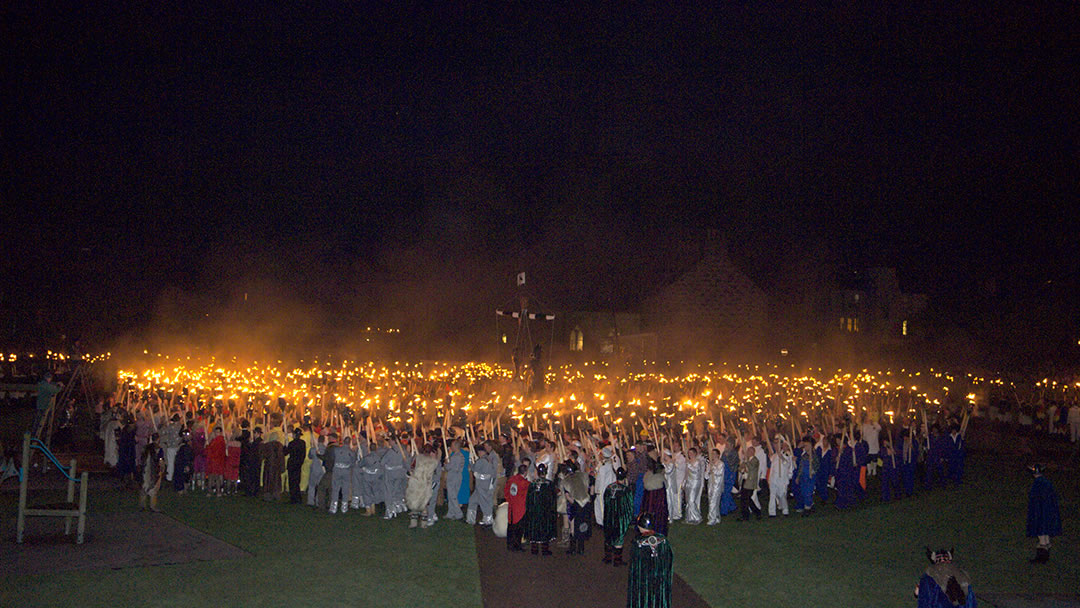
column 545, row 485
column 742, row 474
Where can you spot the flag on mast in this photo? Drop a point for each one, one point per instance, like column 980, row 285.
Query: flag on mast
column 521, row 279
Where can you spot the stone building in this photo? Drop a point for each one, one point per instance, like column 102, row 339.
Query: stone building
column 872, row 306
column 712, row 310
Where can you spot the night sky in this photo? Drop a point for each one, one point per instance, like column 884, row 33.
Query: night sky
column 383, row 163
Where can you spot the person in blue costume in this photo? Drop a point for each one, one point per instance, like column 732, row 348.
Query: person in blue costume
column 944, row 585
column 1043, row 516
column 847, row 475
column 935, row 456
column 888, row 471
column 909, row 461
column 637, row 465
column 805, row 475
column 956, row 453
column 731, row 474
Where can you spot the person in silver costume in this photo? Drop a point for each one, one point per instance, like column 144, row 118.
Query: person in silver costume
column 715, row 475
column 695, row 483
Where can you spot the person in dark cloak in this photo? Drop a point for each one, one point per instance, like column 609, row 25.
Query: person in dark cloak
column 1043, row 515
column 540, row 512
column 847, row 476
column 956, row 452
column 655, row 499
column 296, row 452
column 649, row 580
column 249, row 461
column 153, row 464
column 618, row 515
column 184, row 464
column 935, row 456
column 579, row 508
column 125, row 445
column 272, row 455
column 826, row 456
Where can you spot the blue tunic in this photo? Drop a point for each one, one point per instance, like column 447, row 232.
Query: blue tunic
column 824, row 472
column 806, row 484
column 956, row 458
column 463, row 492
column 639, row 493
column 847, row 479
column 1043, row 517
column 727, row 501
column 888, row 475
column 862, row 456
column 935, row 458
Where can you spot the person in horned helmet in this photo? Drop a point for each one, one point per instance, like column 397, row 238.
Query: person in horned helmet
column 540, row 512
column 944, row 585
column 575, row 487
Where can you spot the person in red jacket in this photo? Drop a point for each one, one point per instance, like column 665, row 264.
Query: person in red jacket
column 216, row 454
column 514, row 492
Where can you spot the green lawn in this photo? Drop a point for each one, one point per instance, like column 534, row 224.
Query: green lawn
column 300, row 558
column 870, row 556
column 874, row 555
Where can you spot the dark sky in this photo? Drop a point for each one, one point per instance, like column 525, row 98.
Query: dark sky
column 172, row 152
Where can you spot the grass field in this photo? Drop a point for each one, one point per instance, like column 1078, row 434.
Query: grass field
column 300, row 557
column 870, row 556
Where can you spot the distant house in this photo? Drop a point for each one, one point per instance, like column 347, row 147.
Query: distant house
column 711, row 310
column 872, row 306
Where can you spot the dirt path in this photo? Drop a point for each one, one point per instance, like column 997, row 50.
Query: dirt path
column 117, row 540
column 525, row 580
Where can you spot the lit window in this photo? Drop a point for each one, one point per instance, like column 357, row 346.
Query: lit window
column 903, row 328
column 577, row 340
